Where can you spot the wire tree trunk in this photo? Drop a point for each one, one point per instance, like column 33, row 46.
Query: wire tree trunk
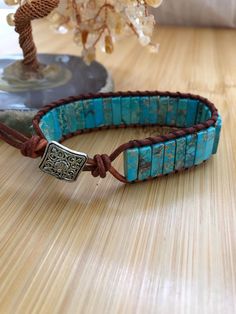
column 26, row 13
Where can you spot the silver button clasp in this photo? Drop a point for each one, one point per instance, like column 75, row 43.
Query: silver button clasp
column 62, row 162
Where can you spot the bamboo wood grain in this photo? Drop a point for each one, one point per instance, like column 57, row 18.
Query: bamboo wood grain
column 98, row 246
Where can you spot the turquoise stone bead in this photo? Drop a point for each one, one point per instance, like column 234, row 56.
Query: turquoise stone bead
column 208, row 114
column 144, row 110
column 210, row 142
column 116, row 110
column 153, row 104
column 180, row 153
column 125, row 110
column 50, row 123
column 135, row 110
column 89, row 114
column 145, row 162
column 79, row 114
column 131, row 158
column 162, row 110
column 157, row 159
column 201, row 147
column 217, row 135
column 57, row 129
column 172, row 111
column 191, row 142
column 199, row 112
column 62, row 118
column 107, row 109
column 204, row 114
column 169, row 157
column 45, row 128
column 99, row 113
column 182, row 112
column 50, row 127
column 71, row 118
column 191, row 112
column 66, row 119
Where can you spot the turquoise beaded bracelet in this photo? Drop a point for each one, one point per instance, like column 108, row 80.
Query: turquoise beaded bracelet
column 193, row 139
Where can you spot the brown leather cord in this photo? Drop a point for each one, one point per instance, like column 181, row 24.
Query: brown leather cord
column 27, row 12
column 30, row 147
column 101, row 164
column 35, row 146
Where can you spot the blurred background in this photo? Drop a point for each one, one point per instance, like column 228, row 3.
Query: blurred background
column 193, row 12
column 197, row 12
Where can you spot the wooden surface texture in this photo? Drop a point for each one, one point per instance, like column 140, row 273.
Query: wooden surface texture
column 99, row 246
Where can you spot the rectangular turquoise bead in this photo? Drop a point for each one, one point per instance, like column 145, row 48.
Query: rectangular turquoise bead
column 162, row 110
column 89, row 114
column 208, row 115
column 180, row 153
column 47, row 126
column 144, row 110
column 79, row 114
column 191, row 142
column 135, row 110
column 52, row 125
column 154, row 103
column 49, row 118
column 57, row 134
column 182, row 112
column 42, row 126
column 169, row 157
column 204, row 113
column 210, row 142
column 191, row 112
column 172, row 111
column 71, row 118
column 205, row 142
column 99, row 113
column 107, row 109
column 131, row 159
column 199, row 112
column 68, row 118
column 201, row 147
column 63, row 115
column 217, row 135
column 145, row 162
column 116, row 110
column 157, row 159
column 125, row 110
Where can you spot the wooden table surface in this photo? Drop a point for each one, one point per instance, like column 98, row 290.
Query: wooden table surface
column 98, row 246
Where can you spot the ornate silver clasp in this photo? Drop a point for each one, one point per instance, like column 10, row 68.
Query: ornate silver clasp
column 62, row 162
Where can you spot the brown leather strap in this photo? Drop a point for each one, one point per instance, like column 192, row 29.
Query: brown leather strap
column 30, row 147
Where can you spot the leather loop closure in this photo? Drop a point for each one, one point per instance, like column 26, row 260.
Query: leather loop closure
column 102, row 165
column 34, row 147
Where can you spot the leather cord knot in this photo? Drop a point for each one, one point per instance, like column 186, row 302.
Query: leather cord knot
column 33, row 147
column 102, row 165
